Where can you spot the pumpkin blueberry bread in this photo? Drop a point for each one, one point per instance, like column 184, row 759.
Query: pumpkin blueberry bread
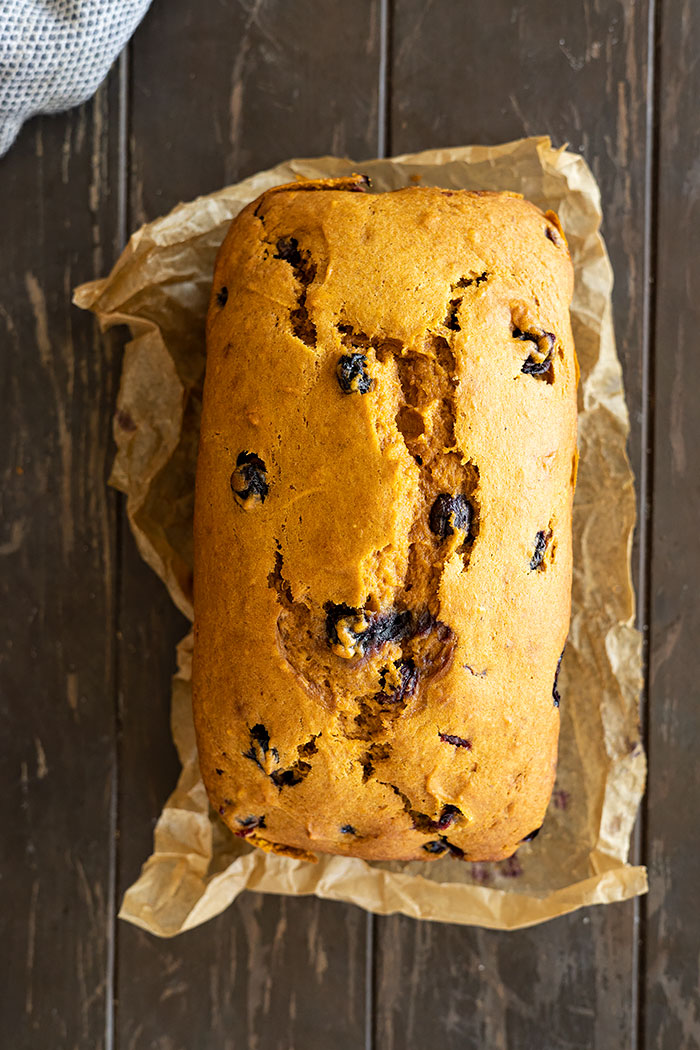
column 383, row 521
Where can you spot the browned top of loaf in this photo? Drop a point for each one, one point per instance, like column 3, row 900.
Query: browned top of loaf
column 372, row 679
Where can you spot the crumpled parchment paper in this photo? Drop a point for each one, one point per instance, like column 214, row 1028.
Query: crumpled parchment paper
column 159, row 288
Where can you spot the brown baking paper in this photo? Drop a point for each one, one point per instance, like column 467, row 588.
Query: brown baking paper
column 159, row 287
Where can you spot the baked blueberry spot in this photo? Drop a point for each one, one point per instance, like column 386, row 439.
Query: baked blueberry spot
column 449, row 513
column 248, row 825
column 555, row 237
column 426, row 623
column 555, row 687
column 352, row 375
column 260, row 747
column 536, row 368
column 387, row 627
column 345, row 619
column 396, row 692
column 347, row 829
column 435, row 847
column 448, row 816
column 299, row 769
column 222, row 296
column 261, row 737
column 539, row 361
column 541, row 541
column 456, row 741
column 351, row 631
column 288, row 249
column 219, row 772
column 532, row 835
column 291, row 777
column 249, row 480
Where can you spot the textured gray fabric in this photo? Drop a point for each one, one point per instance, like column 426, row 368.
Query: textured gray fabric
column 54, row 54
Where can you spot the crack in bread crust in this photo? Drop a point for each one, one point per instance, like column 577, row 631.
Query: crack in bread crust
column 372, row 665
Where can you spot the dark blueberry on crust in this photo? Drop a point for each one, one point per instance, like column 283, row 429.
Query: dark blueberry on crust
column 219, row 772
column 393, row 692
column 344, row 618
column 249, row 825
column 350, row 631
column 449, row 513
column 352, row 375
column 222, row 296
column 249, row 480
column 435, row 847
column 261, row 737
column 288, row 249
column 532, row 835
column 540, row 360
column 541, row 540
column 448, row 816
column 536, row 368
column 555, row 237
column 387, row 627
column 426, row 623
column 347, row 829
column 456, row 741
column 555, row 689
column 260, row 746
column 290, row 777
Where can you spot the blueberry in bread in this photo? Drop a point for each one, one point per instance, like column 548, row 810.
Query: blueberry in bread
column 383, row 521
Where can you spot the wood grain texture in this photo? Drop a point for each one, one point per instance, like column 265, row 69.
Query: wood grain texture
column 577, row 73
column 273, row 972
column 216, row 95
column 672, row 938
column 57, row 585
column 222, row 90
column 551, row 986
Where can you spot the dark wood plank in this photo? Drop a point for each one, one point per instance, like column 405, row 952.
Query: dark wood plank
column 224, row 90
column 217, row 94
column 578, row 73
column 672, row 1003
column 57, row 584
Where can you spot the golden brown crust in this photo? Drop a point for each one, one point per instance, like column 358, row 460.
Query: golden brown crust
column 383, row 521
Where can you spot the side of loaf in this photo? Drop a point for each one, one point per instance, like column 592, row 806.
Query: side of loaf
column 383, row 521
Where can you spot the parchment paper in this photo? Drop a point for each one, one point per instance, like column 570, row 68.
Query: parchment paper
column 160, row 287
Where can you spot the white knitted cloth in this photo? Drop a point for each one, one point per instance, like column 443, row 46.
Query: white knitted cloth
column 54, row 54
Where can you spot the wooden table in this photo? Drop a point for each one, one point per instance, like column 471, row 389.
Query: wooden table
column 207, row 93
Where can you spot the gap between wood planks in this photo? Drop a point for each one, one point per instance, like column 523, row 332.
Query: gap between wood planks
column 640, row 843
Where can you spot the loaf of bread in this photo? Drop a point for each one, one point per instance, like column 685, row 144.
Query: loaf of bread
column 383, row 521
